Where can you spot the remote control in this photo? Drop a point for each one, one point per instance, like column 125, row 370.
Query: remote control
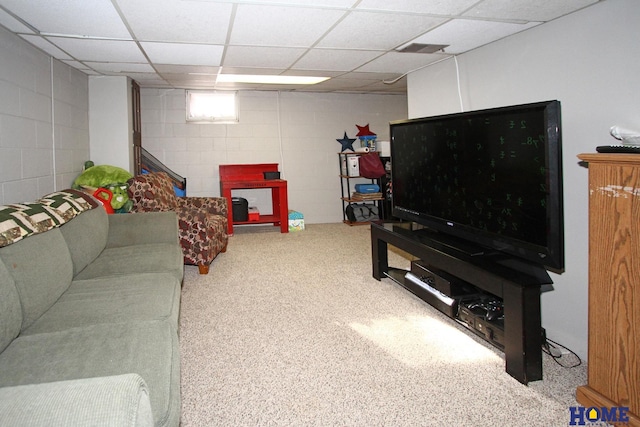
column 618, row 149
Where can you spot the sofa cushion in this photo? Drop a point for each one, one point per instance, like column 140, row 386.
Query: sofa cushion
column 146, row 258
column 41, row 268
column 86, row 237
column 10, row 310
column 135, row 297
column 119, row 400
column 149, row 349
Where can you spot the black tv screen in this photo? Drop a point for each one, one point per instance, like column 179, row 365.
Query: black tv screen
column 490, row 177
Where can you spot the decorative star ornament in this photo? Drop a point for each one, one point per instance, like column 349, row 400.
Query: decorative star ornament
column 347, row 143
column 364, row 131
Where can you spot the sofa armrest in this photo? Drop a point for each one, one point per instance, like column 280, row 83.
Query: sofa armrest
column 140, row 228
column 121, row 400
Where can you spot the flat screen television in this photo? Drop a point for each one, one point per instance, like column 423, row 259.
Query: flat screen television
column 490, row 180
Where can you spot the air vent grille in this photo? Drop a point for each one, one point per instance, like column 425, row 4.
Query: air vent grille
column 423, row 48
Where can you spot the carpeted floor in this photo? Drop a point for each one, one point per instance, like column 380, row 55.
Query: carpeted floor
column 292, row 330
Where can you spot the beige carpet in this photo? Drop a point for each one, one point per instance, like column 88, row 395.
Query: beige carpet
column 292, row 330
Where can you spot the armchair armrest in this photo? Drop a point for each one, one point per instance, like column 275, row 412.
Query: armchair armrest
column 213, row 205
column 121, row 400
column 144, row 227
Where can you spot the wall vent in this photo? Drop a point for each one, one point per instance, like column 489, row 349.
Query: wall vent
column 423, row 48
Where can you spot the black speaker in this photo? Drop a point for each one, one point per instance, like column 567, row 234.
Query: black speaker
column 240, row 209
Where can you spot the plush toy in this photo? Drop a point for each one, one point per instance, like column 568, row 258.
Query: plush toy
column 120, row 196
column 112, row 178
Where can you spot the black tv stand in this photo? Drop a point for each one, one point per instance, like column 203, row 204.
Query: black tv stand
column 519, row 290
column 439, row 240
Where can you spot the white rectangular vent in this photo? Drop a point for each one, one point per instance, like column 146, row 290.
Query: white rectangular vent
column 423, row 48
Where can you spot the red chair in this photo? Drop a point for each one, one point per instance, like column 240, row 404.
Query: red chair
column 202, row 220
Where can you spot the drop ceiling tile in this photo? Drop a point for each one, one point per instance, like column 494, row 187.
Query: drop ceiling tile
column 70, row 17
column 342, row 83
column 120, row 67
column 360, row 86
column 335, row 59
column 100, row 50
column 310, row 3
column 251, row 70
column 465, row 34
column 151, row 82
column 44, row 45
column 170, row 20
column 391, row 85
column 439, row 7
column 396, row 62
column 185, row 38
column 262, row 57
column 539, row 10
column 372, row 76
column 189, row 77
column 13, row 24
column 238, row 86
column 183, row 54
column 144, row 76
column 314, row 73
column 372, row 30
column 80, row 66
column 260, row 25
column 380, row 87
column 186, row 69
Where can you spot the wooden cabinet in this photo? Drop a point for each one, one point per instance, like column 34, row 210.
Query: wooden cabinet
column 614, row 284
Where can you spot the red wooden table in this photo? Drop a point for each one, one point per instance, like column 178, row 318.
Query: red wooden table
column 251, row 176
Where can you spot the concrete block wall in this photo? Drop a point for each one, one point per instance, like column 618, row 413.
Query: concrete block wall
column 44, row 137
column 297, row 130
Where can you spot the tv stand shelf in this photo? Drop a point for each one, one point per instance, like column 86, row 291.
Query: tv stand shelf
column 519, row 290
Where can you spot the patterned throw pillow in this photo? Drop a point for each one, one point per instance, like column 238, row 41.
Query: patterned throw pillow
column 20, row 220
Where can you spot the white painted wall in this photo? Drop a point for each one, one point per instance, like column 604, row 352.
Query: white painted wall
column 590, row 61
column 44, row 133
column 296, row 130
column 110, row 121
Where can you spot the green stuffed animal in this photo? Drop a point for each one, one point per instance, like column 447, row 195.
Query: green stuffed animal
column 110, row 177
column 120, row 196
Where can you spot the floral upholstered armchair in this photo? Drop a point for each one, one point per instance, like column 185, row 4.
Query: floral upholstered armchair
column 202, row 220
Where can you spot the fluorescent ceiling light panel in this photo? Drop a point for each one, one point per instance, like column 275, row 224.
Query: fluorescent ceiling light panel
column 266, row 79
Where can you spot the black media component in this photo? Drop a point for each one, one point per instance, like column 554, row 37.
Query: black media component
column 484, row 315
column 240, row 209
column 441, row 280
column 484, row 182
